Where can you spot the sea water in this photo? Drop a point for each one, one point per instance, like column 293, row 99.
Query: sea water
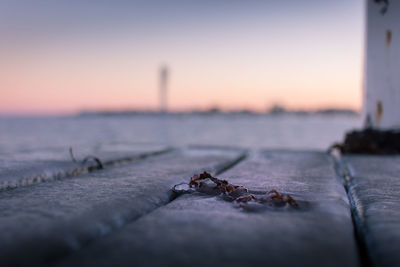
column 247, row 131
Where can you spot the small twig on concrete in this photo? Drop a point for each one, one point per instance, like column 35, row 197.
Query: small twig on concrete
column 100, row 164
column 72, row 155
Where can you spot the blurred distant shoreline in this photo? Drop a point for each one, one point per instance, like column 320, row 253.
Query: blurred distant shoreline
column 275, row 110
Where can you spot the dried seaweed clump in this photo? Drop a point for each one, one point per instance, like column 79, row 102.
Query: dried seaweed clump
column 206, row 183
column 371, row 141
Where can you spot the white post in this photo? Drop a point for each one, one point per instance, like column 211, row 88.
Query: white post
column 382, row 64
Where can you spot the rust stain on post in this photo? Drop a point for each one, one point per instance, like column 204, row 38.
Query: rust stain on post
column 379, row 111
column 388, row 37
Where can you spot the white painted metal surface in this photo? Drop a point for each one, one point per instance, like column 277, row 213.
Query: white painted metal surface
column 382, row 65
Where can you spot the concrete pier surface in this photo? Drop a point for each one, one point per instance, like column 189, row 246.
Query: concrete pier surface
column 45, row 164
column 127, row 215
column 374, row 189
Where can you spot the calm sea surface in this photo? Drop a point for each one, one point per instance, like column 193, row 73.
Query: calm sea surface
column 248, row 131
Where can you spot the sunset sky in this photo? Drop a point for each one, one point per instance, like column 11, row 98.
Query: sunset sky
column 60, row 57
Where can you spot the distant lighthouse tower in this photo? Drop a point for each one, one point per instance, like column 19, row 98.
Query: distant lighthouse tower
column 163, row 88
column 382, row 64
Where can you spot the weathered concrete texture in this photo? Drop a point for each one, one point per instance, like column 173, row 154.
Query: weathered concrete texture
column 202, row 230
column 30, row 167
column 46, row 221
column 374, row 187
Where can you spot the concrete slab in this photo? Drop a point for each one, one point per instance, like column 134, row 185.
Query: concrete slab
column 374, row 187
column 33, row 166
column 203, row 230
column 46, row 221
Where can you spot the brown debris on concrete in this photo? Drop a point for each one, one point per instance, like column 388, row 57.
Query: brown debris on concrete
column 206, row 183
